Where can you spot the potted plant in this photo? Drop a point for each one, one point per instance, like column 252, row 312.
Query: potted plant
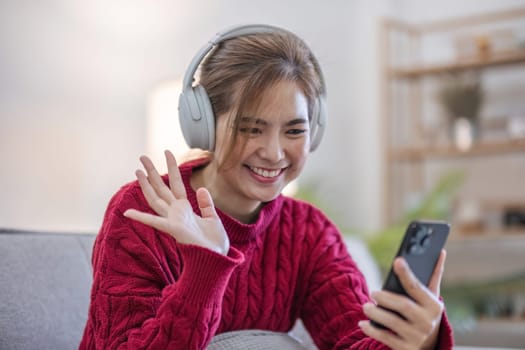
column 461, row 95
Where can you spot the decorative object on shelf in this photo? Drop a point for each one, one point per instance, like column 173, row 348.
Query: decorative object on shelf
column 484, row 44
column 463, row 133
column 495, row 216
column 468, row 216
column 461, row 95
column 498, row 299
column 516, row 125
column 514, row 217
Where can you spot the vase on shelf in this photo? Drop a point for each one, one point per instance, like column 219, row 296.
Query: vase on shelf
column 464, row 132
column 461, row 95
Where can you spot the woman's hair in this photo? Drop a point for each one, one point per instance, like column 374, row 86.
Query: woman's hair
column 239, row 70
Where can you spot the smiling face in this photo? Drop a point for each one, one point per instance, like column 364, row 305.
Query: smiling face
column 271, row 151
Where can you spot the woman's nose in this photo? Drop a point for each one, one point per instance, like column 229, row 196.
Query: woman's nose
column 271, row 148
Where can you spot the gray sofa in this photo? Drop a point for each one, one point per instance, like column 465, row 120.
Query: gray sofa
column 44, row 291
column 44, row 294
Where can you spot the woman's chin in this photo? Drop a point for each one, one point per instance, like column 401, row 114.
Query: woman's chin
column 269, row 196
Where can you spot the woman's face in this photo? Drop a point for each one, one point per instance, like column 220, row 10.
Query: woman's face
column 274, row 153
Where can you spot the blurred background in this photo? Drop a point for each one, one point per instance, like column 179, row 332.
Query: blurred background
column 426, row 119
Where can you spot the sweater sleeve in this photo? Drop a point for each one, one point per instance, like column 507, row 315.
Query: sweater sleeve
column 335, row 295
column 150, row 292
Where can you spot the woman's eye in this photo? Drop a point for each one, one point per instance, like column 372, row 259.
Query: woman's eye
column 252, row 131
column 296, row 131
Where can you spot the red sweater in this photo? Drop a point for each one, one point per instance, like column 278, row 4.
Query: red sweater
column 149, row 292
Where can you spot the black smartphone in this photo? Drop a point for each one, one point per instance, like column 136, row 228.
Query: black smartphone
column 421, row 247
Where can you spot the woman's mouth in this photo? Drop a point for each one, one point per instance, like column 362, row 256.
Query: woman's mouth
column 266, row 173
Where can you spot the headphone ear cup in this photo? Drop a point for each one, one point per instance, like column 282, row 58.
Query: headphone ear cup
column 208, row 118
column 196, row 118
column 318, row 123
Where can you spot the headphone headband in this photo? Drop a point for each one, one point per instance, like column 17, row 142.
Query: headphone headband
column 230, row 33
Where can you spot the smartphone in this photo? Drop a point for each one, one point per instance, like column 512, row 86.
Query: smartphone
column 421, row 247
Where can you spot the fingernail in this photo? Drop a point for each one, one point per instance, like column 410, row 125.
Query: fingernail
column 403, row 263
column 361, row 323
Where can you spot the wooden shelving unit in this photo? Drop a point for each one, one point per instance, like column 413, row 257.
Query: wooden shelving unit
column 492, row 333
column 483, row 148
column 489, row 255
column 415, row 151
column 492, row 60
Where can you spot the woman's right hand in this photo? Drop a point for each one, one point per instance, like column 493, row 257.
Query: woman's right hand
column 175, row 215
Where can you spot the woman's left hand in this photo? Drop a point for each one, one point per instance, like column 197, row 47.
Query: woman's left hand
column 418, row 325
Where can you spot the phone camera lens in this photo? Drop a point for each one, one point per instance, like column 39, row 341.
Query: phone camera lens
column 424, row 236
column 425, row 241
column 414, row 248
column 420, row 240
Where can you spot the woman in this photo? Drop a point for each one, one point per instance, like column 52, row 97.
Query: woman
column 213, row 246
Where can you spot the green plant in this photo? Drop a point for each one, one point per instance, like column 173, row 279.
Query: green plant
column 461, row 95
column 435, row 206
column 308, row 191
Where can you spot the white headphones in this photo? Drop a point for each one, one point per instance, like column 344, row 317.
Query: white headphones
column 196, row 114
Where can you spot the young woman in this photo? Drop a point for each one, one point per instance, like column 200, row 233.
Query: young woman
column 214, row 247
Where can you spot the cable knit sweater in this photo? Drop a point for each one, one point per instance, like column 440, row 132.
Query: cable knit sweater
column 149, row 292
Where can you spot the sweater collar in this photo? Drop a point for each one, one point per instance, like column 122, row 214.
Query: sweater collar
column 238, row 232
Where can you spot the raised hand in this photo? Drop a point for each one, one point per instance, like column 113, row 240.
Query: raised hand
column 175, row 215
column 418, row 328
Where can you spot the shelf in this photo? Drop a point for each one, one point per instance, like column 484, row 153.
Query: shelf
column 482, row 148
column 490, row 257
column 489, row 235
column 410, row 143
column 497, row 333
column 490, row 60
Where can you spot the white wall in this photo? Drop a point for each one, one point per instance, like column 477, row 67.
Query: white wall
column 75, row 76
column 426, row 10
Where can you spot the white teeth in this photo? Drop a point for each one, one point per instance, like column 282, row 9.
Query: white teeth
column 266, row 173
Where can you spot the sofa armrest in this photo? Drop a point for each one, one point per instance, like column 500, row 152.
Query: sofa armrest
column 46, row 279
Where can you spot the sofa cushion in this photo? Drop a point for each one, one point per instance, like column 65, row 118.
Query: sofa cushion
column 46, row 280
column 254, row 339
